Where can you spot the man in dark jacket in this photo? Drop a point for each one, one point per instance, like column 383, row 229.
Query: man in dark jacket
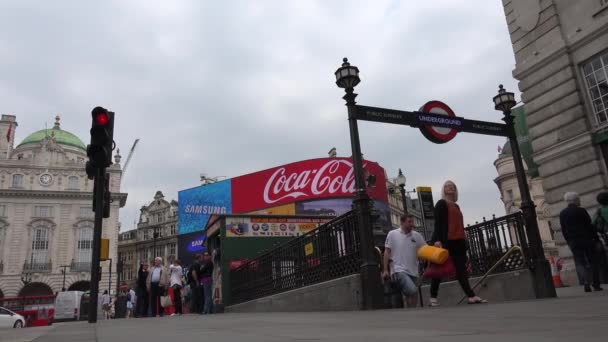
column 581, row 237
column 196, row 301
column 143, row 297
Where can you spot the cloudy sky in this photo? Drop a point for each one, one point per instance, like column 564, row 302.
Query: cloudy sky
column 231, row 87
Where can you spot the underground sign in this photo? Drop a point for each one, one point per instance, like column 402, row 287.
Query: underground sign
column 438, row 134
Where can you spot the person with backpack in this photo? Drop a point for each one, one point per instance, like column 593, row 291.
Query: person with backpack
column 600, row 220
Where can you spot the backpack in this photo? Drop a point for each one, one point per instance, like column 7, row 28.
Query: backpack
column 600, row 222
column 128, row 296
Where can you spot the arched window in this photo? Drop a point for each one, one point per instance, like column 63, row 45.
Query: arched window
column 40, row 246
column 85, row 245
column 73, row 183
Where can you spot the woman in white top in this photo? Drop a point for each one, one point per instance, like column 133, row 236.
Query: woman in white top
column 176, row 273
column 105, row 304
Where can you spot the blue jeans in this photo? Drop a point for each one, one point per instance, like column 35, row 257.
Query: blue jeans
column 406, row 283
column 208, row 297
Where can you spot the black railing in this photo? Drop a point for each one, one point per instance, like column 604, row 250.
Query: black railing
column 331, row 251
column 490, row 240
column 35, row 267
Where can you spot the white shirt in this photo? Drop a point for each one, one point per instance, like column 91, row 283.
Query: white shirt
column 105, row 299
column 155, row 278
column 176, row 275
column 133, row 296
column 404, row 248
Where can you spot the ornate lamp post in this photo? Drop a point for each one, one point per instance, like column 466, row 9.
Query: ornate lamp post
column 543, row 284
column 401, row 180
column 347, row 78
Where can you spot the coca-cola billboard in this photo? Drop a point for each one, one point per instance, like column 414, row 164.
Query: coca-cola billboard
column 319, row 187
column 303, row 181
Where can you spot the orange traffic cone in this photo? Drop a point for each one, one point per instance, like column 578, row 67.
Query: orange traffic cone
column 557, row 280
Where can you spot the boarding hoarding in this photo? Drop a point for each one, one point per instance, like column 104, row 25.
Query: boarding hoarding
column 319, row 187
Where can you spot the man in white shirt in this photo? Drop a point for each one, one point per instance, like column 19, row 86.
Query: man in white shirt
column 401, row 248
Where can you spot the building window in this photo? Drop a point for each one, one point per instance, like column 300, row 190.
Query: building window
column 43, row 211
column 146, row 234
column 40, row 246
column 596, row 81
column 2, row 210
column 73, row 183
column 173, row 229
column 85, row 245
column 172, row 249
column 129, row 273
column 509, row 195
column 129, row 255
column 17, row 181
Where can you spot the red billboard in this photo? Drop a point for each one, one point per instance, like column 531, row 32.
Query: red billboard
column 303, row 181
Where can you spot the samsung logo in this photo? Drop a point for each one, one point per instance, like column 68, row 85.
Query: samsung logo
column 205, row 209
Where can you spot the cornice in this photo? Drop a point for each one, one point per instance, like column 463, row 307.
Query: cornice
column 16, row 193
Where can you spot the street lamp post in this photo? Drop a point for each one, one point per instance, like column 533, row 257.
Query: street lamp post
column 543, row 283
column 347, row 77
column 401, row 183
column 63, row 272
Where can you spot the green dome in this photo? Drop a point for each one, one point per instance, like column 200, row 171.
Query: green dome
column 61, row 137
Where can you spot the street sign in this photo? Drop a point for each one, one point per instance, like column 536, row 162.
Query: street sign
column 445, row 123
column 386, row 115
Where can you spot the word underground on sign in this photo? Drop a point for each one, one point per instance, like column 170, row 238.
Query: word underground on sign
column 439, row 120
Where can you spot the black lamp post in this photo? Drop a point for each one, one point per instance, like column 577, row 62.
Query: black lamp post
column 347, row 77
column 401, row 180
column 543, row 283
column 63, row 272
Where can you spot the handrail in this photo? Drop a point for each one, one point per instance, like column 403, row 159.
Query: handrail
column 509, row 252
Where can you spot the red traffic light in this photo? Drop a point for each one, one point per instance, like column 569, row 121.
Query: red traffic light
column 102, row 119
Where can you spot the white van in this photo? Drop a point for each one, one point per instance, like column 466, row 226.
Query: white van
column 67, row 306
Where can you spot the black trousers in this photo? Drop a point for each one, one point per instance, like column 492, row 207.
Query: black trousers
column 458, row 252
column 155, row 293
column 587, row 260
column 143, row 301
column 177, row 298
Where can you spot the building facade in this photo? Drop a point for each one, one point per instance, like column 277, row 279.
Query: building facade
column 561, row 54
column 155, row 235
column 511, row 197
column 46, row 217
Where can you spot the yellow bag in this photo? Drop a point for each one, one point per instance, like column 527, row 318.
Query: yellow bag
column 433, row 254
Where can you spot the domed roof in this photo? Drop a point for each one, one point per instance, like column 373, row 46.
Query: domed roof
column 61, row 137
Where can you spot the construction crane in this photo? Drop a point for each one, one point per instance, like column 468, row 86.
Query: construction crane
column 124, row 169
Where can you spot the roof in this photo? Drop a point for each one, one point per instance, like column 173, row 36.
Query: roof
column 61, row 137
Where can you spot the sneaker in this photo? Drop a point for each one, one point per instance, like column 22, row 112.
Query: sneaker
column 597, row 288
column 587, row 288
column 434, row 302
column 477, row 300
column 173, row 314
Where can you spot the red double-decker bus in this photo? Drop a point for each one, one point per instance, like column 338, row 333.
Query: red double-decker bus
column 37, row 310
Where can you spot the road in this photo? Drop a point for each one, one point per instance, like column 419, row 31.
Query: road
column 573, row 317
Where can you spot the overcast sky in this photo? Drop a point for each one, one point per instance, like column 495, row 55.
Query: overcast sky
column 231, row 87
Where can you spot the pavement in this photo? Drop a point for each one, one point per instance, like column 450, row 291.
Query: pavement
column 571, row 317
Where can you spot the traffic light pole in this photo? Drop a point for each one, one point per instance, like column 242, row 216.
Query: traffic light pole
column 95, row 276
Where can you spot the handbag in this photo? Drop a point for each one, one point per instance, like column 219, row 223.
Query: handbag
column 437, row 271
column 165, row 301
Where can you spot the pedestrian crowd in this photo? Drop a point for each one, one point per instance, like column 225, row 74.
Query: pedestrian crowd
column 159, row 288
column 401, row 268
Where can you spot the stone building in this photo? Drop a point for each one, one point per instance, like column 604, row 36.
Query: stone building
column 395, row 202
column 46, row 218
column 561, row 56
column 511, row 197
column 157, row 227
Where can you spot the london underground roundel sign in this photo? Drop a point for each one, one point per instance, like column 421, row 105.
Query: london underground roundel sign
column 438, row 135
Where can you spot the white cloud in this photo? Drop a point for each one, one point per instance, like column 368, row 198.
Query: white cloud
column 228, row 88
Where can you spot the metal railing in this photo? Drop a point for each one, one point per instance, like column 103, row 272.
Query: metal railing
column 331, row 251
column 489, row 241
column 35, row 267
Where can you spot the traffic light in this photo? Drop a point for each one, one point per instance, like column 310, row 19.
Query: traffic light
column 100, row 149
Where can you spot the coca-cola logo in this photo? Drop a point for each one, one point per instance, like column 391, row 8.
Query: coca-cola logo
column 328, row 179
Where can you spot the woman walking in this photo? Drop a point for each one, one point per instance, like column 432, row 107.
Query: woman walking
column 449, row 234
column 176, row 272
column 106, row 301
